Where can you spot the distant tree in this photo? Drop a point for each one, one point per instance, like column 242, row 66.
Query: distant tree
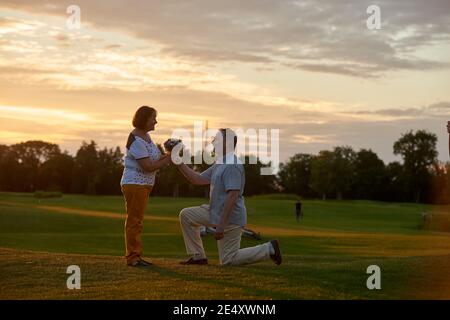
column 255, row 183
column 343, row 170
column 3, row 151
column 85, row 177
column 369, row 173
column 440, row 186
column 294, row 176
column 395, row 183
column 56, row 173
column 322, row 176
column 332, row 172
column 109, row 171
column 38, row 151
column 419, row 153
column 4, row 170
column 25, row 160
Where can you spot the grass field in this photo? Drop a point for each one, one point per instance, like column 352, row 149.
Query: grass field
column 325, row 255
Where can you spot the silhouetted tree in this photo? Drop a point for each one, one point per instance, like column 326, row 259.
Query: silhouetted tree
column 85, row 177
column 369, row 174
column 394, row 182
column 440, row 184
column 5, row 170
column 343, row 170
column 419, row 153
column 56, row 173
column 322, row 174
column 255, row 183
column 23, row 164
column 332, row 172
column 295, row 175
column 109, row 171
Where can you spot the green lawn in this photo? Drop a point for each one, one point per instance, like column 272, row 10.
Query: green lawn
column 325, row 255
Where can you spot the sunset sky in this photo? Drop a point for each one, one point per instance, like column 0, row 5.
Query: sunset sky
column 309, row 68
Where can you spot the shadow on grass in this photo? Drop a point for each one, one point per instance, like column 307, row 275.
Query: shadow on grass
column 224, row 277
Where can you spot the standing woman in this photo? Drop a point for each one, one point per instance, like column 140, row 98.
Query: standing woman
column 141, row 162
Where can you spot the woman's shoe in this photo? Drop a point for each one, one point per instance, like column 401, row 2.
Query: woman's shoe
column 141, row 263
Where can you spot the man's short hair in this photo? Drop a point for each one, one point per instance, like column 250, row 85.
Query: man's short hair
column 229, row 134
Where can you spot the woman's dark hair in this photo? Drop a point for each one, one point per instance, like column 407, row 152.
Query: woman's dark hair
column 141, row 116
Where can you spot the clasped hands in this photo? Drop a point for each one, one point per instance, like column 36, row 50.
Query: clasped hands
column 169, row 144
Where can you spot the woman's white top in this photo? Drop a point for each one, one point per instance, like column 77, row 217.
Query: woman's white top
column 138, row 148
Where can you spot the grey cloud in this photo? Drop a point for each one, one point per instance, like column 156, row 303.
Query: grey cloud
column 219, row 55
column 254, row 30
column 343, row 68
column 441, row 106
column 441, row 109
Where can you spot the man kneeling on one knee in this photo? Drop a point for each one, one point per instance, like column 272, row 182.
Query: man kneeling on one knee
column 225, row 211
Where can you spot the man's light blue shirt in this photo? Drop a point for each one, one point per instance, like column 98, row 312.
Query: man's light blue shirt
column 225, row 175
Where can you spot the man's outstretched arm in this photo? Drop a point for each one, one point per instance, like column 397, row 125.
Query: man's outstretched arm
column 193, row 176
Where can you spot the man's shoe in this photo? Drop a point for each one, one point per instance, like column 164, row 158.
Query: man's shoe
column 141, row 263
column 276, row 257
column 193, row 261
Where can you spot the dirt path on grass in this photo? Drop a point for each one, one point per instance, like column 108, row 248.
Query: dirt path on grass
column 90, row 213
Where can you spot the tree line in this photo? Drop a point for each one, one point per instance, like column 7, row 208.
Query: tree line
column 343, row 173
column 41, row 166
column 340, row 173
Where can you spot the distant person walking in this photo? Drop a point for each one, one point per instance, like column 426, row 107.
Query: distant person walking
column 141, row 162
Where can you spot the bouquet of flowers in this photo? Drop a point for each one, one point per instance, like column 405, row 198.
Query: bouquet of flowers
column 170, row 144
